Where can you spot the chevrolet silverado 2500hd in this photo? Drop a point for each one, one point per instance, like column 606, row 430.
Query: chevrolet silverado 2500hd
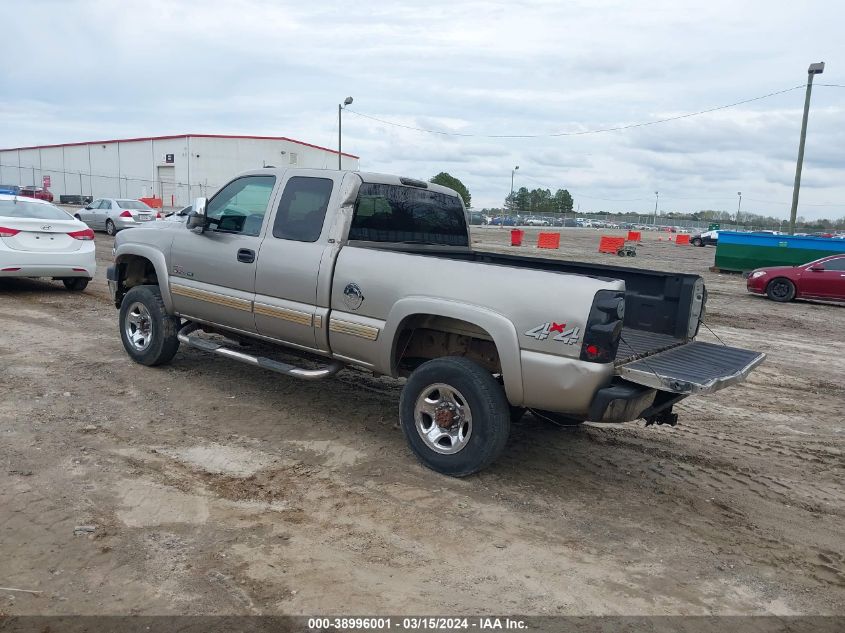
column 376, row 272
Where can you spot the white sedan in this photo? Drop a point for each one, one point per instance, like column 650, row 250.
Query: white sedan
column 37, row 239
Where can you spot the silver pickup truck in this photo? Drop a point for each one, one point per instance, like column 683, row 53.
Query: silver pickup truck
column 376, row 272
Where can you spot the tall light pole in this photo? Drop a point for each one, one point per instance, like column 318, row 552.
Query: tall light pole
column 513, row 171
column 340, row 107
column 814, row 69
column 739, row 206
column 656, row 198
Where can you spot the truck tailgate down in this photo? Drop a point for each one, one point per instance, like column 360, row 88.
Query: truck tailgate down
column 692, row 368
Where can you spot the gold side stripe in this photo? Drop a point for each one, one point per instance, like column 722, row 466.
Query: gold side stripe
column 318, row 321
column 353, row 329
column 211, row 297
column 286, row 314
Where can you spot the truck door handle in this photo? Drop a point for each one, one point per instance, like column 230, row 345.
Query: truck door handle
column 246, row 255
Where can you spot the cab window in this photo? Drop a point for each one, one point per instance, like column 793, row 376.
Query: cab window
column 240, row 206
column 834, row 264
column 302, row 209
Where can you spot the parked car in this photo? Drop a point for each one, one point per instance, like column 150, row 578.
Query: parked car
column 10, row 190
column 707, row 238
column 39, row 193
column 477, row 218
column 37, row 239
column 507, row 220
column 115, row 214
column 377, row 272
column 534, row 221
column 820, row 279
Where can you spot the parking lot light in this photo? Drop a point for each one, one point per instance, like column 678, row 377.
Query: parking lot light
column 340, row 107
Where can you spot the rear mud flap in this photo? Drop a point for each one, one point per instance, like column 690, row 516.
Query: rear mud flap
column 692, row 368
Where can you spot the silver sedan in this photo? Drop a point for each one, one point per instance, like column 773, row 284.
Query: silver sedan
column 115, row 214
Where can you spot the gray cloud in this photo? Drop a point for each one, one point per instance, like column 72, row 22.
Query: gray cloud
column 111, row 69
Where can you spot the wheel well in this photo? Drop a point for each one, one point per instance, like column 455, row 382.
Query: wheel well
column 134, row 270
column 422, row 337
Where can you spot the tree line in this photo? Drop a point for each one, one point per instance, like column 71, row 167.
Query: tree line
column 539, row 201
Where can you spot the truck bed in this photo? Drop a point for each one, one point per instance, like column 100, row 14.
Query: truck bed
column 658, row 304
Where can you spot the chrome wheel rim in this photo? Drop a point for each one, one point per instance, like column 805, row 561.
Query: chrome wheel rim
column 138, row 327
column 110, row 228
column 443, row 419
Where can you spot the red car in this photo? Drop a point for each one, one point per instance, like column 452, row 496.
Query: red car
column 821, row 279
column 36, row 192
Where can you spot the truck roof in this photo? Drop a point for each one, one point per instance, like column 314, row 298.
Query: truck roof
column 366, row 176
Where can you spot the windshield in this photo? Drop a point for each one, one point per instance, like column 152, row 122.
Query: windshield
column 31, row 210
column 132, row 204
column 393, row 213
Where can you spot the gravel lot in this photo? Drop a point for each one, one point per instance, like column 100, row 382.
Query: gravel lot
column 217, row 488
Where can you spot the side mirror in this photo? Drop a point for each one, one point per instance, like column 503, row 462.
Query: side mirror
column 817, row 268
column 196, row 218
column 88, row 208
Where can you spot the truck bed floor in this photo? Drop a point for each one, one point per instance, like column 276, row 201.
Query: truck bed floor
column 639, row 343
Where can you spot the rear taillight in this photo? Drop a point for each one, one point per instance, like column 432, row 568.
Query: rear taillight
column 85, row 234
column 4, row 232
column 126, row 214
column 604, row 327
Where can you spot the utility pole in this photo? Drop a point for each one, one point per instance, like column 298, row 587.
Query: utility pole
column 340, row 107
column 814, row 69
column 738, row 206
column 513, row 171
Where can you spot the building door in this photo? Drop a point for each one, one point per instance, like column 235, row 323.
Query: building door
column 167, row 185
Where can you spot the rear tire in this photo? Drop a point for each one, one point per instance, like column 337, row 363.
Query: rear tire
column 780, row 289
column 111, row 229
column 454, row 415
column 76, row 284
column 147, row 331
column 697, row 241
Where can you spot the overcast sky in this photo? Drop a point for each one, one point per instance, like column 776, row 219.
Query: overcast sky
column 78, row 71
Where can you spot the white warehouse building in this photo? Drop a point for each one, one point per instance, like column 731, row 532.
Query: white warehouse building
column 176, row 168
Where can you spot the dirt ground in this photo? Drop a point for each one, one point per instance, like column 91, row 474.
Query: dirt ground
column 216, row 488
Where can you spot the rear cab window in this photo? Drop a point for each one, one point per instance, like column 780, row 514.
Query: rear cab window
column 409, row 215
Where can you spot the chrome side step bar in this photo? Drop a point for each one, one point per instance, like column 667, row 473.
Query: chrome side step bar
column 259, row 361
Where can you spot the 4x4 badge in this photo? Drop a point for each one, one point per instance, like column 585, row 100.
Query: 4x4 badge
column 543, row 331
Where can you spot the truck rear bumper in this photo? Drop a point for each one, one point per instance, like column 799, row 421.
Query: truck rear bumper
column 625, row 401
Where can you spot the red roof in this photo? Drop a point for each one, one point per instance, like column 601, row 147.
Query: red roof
column 170, row 136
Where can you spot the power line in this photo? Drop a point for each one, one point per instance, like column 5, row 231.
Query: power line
column 584, row 132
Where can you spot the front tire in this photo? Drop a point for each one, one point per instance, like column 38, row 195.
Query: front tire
column 781, row 289
column 148, row 333
column 111, row 229
column 454, row 415
column 76, row 284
